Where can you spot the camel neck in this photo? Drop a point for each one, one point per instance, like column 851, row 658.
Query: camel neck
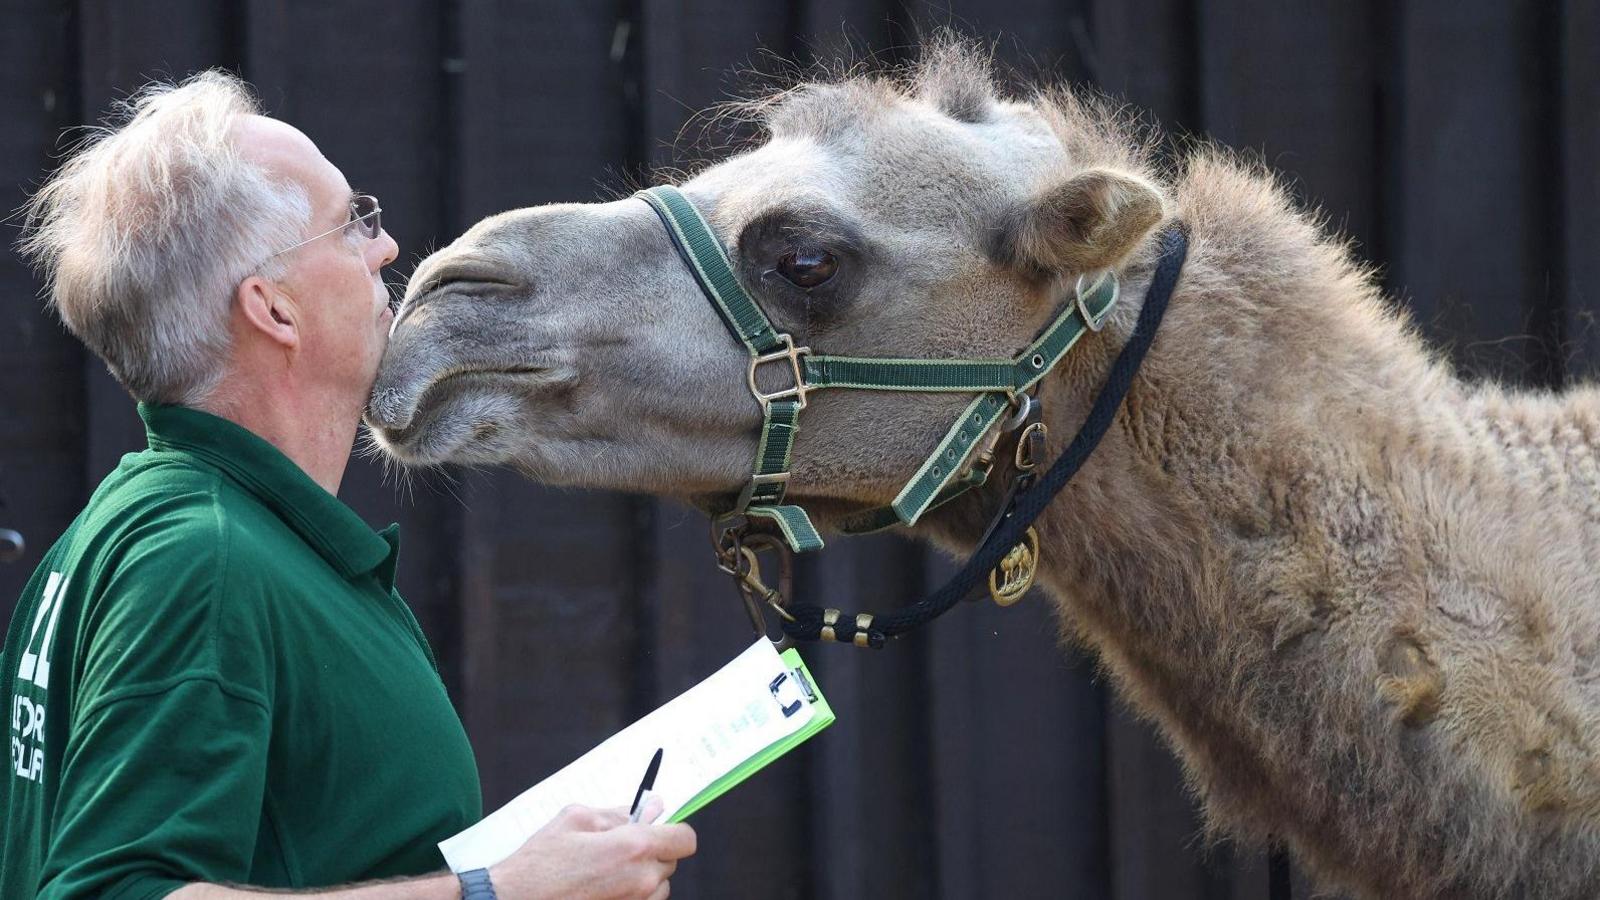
column 1267, row 375
column 1245, row 549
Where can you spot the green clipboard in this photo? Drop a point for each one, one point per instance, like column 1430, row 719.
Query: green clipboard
column 821, row 717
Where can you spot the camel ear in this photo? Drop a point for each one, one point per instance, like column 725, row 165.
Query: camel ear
column 1090, row 222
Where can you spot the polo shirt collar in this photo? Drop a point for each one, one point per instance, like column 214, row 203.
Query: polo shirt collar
column 319, row 518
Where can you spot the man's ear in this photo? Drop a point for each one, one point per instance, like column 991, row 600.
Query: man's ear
column 1090, row 222
column 268, row 311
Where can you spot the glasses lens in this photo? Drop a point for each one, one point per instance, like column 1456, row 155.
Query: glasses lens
column 367, row 215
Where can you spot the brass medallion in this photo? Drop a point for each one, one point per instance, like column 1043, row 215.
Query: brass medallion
column 1012, row 578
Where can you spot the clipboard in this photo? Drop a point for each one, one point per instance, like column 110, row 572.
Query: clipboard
column 714, row 736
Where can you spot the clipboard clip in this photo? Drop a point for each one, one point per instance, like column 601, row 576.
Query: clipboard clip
column 738, row 555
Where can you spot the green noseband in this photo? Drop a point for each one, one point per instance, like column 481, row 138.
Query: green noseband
column 946, row 472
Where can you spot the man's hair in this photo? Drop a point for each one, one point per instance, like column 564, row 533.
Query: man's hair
column 146, row 232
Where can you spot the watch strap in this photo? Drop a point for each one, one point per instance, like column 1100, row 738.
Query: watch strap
column 475, row 885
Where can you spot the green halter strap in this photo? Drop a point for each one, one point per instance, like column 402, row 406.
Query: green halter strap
column 995, row 381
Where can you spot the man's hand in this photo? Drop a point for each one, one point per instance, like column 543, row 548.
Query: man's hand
column 584, row 854
column 594, row 854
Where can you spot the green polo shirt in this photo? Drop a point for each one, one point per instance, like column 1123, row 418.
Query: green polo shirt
column 212, row 678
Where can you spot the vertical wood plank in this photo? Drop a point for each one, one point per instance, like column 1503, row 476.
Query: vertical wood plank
column 379, row 117
column 1578, row 191
column 1315, row 120
column 759, row 832
column 42, row 477
column 693, row 54
column 1156, row 842
column 873, row 799
column 1470, row 247
column 833, row 31
column 1033, row 40
column 123, row 46
column 553, row 609
column 690, row 54
column 1146, row 52
column 1019, row 754
column 552, row 613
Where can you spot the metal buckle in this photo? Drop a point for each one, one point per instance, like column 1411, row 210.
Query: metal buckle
column 1083, row 307
column 792, row 354
column 748, row 493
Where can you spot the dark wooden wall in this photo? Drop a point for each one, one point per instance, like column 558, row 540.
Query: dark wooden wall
column 1456, row 142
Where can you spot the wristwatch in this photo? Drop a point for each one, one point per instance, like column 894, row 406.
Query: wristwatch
column 475, row 885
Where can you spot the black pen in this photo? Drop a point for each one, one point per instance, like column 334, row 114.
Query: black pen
column 645, row 785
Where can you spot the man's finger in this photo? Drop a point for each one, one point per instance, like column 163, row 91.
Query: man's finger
column 674, row 841
column 587, row 818
column 610, row 817
column 662, row 891
column 653, row 805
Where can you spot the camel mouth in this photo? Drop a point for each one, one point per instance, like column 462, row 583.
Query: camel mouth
column 464, row 415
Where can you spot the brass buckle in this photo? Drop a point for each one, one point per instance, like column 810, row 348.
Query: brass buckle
column 792, row 354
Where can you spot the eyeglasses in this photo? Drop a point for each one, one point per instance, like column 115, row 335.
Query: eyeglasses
column 366, row 216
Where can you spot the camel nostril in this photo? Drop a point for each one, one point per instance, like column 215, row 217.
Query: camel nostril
column 468, row 273
column 461, row 284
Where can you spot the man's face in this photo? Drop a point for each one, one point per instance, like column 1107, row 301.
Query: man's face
column 336, row 280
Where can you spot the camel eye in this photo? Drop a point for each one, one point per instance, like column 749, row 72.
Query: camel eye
column 808, row 268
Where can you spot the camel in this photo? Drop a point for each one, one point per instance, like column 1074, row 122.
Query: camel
column 1354, row 592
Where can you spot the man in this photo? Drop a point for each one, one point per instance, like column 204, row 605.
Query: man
column 212, row 680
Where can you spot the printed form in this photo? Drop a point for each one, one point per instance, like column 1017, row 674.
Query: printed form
column 704, row 733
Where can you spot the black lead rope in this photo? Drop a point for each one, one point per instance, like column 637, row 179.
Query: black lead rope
column 808, row 620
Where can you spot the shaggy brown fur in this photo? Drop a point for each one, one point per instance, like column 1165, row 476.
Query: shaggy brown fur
column 1355, row 594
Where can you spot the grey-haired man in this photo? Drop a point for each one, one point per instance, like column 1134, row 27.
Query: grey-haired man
column 213, row 683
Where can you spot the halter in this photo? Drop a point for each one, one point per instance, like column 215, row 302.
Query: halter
column 1000, row 384
column 994, row 380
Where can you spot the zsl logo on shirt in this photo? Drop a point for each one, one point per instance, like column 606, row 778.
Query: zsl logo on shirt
column 27, row 715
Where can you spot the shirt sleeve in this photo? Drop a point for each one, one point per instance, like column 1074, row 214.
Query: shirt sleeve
column 163, row 772
column 158, row 790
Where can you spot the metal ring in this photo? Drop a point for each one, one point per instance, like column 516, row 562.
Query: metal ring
column 1025, row 463
column 1014, row 421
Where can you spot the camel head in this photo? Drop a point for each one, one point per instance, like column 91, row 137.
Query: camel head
column 922, row 216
